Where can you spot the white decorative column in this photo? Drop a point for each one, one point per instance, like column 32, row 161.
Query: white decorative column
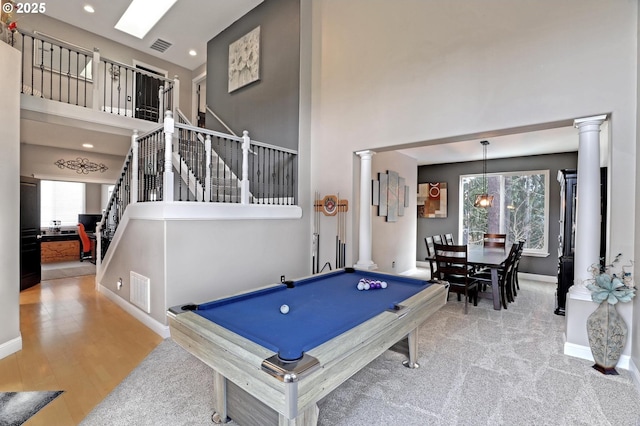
column 587, row 233
column 365, row 240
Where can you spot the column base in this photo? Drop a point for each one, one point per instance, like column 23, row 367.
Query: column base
column 367, row 265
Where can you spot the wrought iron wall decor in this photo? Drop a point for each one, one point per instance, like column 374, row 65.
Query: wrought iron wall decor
column 391, row 195
column 82, row 166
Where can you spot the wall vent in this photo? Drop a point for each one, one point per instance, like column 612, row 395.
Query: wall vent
column 140, row 294
column 160, row 45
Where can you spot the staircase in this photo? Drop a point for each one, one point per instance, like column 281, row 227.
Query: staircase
column 174, row 160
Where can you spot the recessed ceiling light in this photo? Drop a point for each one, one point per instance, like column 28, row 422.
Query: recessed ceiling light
column 88, row 8
column 142, row 15
column 87, row 145
column 192, row 52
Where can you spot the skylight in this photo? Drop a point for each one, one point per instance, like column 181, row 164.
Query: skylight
column 142, row 15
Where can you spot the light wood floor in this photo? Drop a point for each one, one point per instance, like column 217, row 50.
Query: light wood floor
column 76, row 340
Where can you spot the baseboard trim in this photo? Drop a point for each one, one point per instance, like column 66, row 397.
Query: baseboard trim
column 635, row 374
column 584, row 352
column 157, row 327
column 11, row 347
column 536, row 277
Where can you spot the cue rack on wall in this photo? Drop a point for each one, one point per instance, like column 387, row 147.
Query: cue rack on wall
column 330, row 205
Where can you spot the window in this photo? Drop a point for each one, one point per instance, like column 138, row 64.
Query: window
column 520, row 209
column 61, row 201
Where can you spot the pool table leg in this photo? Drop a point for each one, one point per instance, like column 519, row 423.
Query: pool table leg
column 308, row 417
column 220, row 403
column 412, row 340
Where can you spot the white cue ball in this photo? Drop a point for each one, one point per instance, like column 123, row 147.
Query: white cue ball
column 360, row 285
column 284, row 309
column 383, row 284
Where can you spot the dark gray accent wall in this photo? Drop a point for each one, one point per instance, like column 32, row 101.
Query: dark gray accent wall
column 451, row 172
column 267, row 108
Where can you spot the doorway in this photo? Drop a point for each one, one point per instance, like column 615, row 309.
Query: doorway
column 30, row 237
column 147, row 104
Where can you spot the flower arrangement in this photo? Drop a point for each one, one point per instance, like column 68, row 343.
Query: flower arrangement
column 609, row 285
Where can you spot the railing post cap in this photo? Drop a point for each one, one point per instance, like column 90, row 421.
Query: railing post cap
column 245, row 133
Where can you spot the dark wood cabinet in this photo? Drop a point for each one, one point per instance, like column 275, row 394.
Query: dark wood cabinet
column 568, row 180
column 566, row 239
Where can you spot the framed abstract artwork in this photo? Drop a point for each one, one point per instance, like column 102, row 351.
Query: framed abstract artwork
column 244, row 60
column 432, row 200
column 390, row 194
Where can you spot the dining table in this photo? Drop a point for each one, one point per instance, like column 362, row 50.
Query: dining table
column 492, row 259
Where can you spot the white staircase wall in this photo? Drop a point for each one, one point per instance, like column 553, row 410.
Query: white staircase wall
column 196, row 252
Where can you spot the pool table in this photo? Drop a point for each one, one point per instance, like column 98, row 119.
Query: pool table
column 273, row 368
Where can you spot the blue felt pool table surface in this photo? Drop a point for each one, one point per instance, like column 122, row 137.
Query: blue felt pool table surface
column 321, row 307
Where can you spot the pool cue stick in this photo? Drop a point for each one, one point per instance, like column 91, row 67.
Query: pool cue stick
column 344, row 235
column 316, row 206
column 338, row 231
column 313, row 242
column 318, row 240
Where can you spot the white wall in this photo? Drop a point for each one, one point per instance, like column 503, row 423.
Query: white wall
column 191, row 259
column 10, row 339
column 400, row 235
column 398, row 73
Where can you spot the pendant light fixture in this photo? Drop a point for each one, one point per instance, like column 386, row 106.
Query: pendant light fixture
column 484, row 200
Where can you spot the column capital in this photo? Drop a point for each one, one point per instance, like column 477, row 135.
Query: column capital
column 596, row 119
column 365, row 153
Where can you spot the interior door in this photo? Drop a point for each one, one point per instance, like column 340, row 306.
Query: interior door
column 147, row 102
column 30, row 273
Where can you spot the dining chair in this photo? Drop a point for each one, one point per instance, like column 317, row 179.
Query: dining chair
column 431, row 256
column 494, row 240
column 453, row 267
column 448, row 238
column 437, row 239
column 506, row 277
column 515, row 267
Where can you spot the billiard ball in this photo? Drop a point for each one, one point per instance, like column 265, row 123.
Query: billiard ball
column 383, row 284
column 284, row 309
column 360, row 285
column 367, row 286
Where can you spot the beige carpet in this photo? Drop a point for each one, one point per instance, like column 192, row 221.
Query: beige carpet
column 485, row 368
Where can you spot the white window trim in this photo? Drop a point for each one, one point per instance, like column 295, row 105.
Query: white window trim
column 544, row 251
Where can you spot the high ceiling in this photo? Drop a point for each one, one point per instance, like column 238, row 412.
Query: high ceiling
column 189, row 24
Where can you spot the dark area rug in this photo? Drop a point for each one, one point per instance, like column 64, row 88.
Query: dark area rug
column 18, row 407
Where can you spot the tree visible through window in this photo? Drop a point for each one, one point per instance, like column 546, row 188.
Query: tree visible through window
column 520, row 208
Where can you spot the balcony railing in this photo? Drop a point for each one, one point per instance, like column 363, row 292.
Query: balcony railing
column 56, row 70
column 211, row 167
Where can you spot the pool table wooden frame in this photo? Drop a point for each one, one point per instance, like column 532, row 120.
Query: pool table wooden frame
column 248, row 394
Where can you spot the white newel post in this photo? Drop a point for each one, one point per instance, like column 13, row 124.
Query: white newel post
column 160, row 103
column 365, row 240
column 176, row 93
column 133, row 193
column 97, row 78
column 207, row 179
column 587, row 249
column 167, row 178
column 244, row 184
